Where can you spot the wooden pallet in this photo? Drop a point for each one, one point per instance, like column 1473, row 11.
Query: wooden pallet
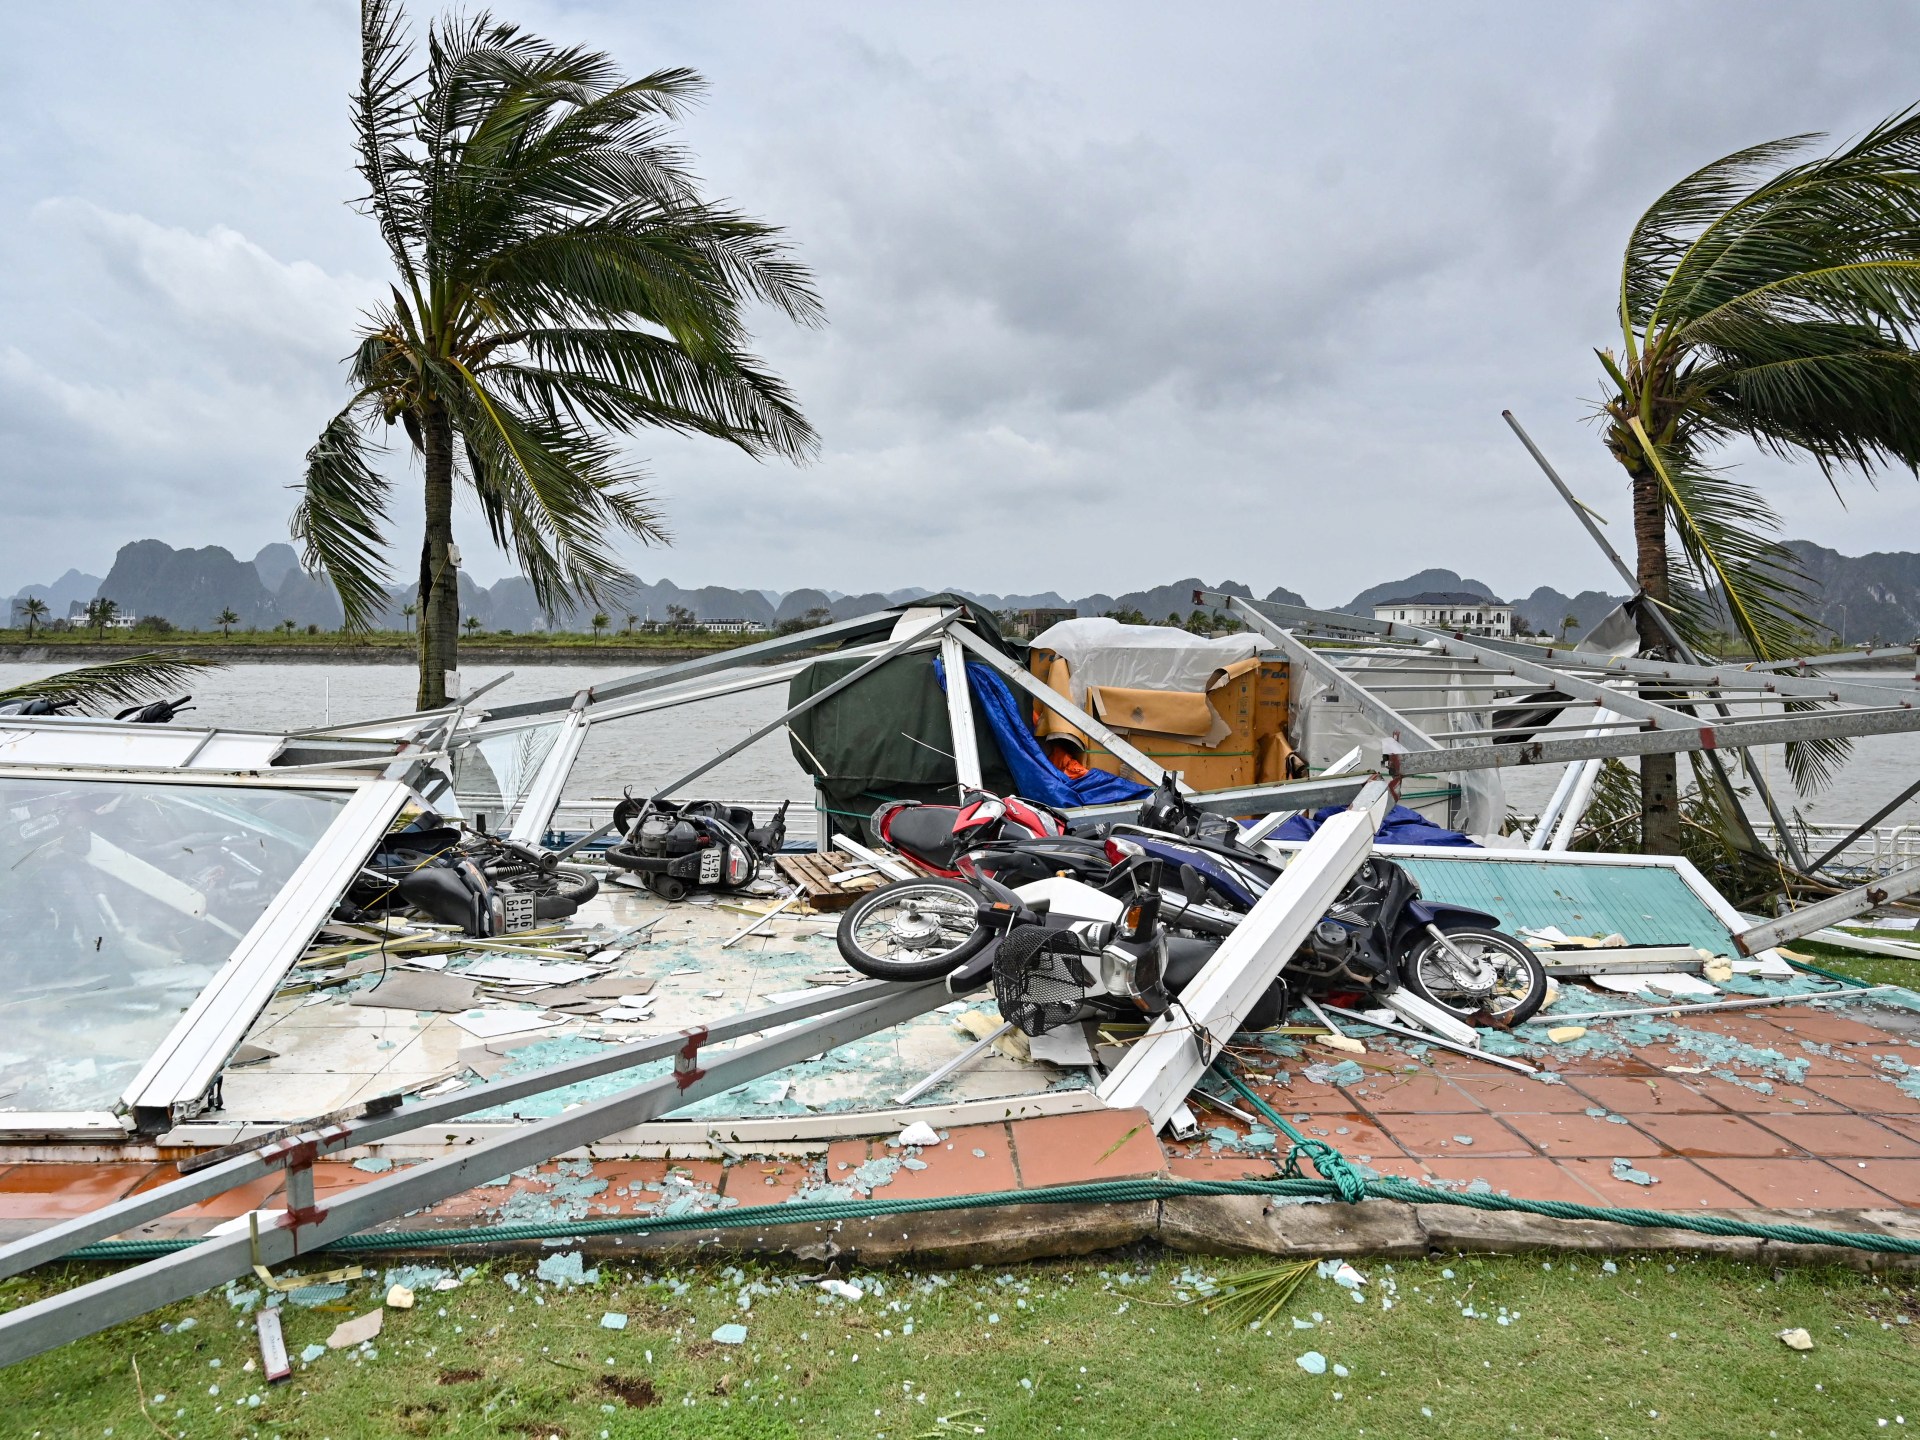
column 813, row 874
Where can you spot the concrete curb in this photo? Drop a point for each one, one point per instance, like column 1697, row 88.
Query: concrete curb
column 1238, row 1225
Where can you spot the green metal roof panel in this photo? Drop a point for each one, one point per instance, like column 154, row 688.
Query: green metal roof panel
column 1649, row 904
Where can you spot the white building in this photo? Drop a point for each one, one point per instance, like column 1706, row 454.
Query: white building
column 732, row 627
column 1455, row 611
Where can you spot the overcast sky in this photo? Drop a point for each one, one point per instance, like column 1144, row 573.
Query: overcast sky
column 1116, row 293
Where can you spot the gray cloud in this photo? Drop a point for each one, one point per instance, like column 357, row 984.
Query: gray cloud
column 1116, row 293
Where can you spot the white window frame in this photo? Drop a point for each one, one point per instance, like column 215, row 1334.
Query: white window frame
column 182, row 1067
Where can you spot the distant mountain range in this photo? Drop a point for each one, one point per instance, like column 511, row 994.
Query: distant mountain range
column 1860, row 597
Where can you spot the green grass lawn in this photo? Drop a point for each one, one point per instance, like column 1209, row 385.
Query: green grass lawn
column 1542, row 1345
column 1874, row 969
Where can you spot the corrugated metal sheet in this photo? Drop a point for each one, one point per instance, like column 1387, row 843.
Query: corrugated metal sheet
column 1648, row 904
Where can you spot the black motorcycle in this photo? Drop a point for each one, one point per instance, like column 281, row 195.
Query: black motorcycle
column 1378, row 935
column 675, row 848
column 482, row 883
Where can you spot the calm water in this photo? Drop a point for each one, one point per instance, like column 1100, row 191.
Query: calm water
column 648, row 750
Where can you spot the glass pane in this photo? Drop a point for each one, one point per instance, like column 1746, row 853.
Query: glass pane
column 491, row 775
column 119, row 901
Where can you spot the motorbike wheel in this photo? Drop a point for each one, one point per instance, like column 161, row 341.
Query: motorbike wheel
column 912, row 930
column 1519, row 986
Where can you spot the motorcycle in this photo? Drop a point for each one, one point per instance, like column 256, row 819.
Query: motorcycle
column 482, row 883
column 675, row 848
column 1380, row 932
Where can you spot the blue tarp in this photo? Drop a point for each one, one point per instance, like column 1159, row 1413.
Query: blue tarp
column 1401, row 827
column 1035, row 777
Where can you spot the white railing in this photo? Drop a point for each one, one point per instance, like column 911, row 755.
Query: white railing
column 1879, row 851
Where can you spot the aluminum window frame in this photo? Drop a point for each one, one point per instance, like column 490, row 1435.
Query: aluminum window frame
column 181, row 1068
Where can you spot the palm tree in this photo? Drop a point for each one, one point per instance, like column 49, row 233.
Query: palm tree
column 100, row 613
column 599, row 623
column 559, row 280
column 226, row 620
column 35, row 609
column 1778, row 303
column 472, row 623
column 632, row 620
column 409, row 610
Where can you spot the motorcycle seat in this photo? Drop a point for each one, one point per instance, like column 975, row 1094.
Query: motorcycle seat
column 1185, row 956
column 924, row 832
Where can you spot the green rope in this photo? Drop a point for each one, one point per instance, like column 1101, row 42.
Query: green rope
column 1332, row 1165
column 1108, row 1192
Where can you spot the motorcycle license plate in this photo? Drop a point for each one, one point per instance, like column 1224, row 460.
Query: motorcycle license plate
column 710, row 866
column 517, row 911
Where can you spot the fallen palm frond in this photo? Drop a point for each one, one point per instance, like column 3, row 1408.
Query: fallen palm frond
column 113, row 683
column 1257, row 1296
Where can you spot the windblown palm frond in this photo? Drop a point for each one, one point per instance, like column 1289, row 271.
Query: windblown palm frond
column 561, row 281
column 1774, row 299
column 114, row 684
column 340, row 516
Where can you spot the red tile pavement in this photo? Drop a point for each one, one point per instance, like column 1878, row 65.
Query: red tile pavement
column 262, row 1194
column 1302, row 1095
column 1531, row 1178
column 1423, row 1094
column 1351, row 1134
column 1782, row 1099
column 1802, row 1024
column 953, row 1168
column 639, row 1178
column 1439, row 1135
column 1643, row 1095
column 1898, row 1180
column 1841, row 1136
column 1908, row 1125
column 1228, row 1165
column 333, row 1177
column 1564, row 1136
column 1507, row 1092
column 30, row 1192
column 1793, row 1184
column 1699, row 1135
column 1840, row 1062
column 1865, row 1094
column 1092, row 1145
column 1678, row 1185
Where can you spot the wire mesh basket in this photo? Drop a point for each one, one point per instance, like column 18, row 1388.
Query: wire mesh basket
column 1041, row 979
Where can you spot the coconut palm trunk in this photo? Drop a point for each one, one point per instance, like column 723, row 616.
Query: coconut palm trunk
column 439, row 637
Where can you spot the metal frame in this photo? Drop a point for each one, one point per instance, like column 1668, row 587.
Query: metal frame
column 543, row 794
column 307, row 1225
column 1117, row 745
column 178, row 1073
column 1160, row 1069
column 966, row 744
column 777, row 648
column 1289, row 795
column 1682, row 732
column 1843, row 906
column 917, row 636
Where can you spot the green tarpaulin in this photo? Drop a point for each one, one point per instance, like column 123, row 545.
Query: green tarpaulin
column 856, row 744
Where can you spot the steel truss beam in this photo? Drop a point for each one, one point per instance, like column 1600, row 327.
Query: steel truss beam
column 309, row 1226
column 778, row 648
column 1844, row 906
column 1288, row 795
column 1162, row 1066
